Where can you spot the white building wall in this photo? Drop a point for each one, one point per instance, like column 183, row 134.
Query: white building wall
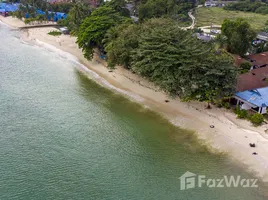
column 245, row 106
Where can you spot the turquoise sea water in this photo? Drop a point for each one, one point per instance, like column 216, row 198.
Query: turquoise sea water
column 62, row 136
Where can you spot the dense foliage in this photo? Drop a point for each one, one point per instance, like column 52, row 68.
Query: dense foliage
column 241, row 114
column 94, row 28
column 119, row 6
column 238, row 34
column 157, row 48
column 244, row 67
column 54, row 33
column 257, row 7
column 173, row 59
column 257, row 119
column 75, row 17
column 119, row 42
column 176, row 9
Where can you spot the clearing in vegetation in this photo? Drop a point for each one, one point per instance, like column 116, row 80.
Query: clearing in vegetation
column 206, row 16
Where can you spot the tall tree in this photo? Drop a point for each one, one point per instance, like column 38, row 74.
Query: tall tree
column 239, row 35
column 119, row 6
column 93, row 29
column 76, row 15
column 119, row 42
column 175, row 9
column 182, row 65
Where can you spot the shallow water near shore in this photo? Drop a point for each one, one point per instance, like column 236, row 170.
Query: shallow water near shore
column 62, row 136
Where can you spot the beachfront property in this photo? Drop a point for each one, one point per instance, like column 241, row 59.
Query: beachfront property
column 255, row 100
column 252, row 87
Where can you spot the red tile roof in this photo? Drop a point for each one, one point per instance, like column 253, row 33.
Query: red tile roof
column 254, row 79
column 259, row 59
column 238, row 60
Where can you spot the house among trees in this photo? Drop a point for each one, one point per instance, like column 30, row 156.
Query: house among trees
column 252, row 87
column 210, row 4
column 204, row 37
column 253, row 79
column 259, row 60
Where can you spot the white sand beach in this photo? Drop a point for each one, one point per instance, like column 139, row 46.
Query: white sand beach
column 230, row 135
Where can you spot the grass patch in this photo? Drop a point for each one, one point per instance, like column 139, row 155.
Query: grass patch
column 206, row 16
column 54, row 33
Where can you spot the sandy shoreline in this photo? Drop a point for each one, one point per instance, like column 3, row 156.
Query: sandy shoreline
column 230, row 135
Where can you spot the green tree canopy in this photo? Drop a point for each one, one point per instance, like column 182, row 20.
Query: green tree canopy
column 94, row 28
column 159, row 8
column 76, row 15
column 119, row 6
column 239, row 35
column 181, row 64
column 119, row 42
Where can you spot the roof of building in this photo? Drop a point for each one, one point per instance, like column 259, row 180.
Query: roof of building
column 262, row 36
column 258, row 97
column 9, row 7
column 238, row 60
column 204, row 37
column 255, row 78
column 13, row 7
column 259, row 59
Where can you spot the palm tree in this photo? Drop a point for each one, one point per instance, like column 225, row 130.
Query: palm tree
column 221, row 41
column 76, row 15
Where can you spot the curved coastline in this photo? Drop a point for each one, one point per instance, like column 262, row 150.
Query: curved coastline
column 230, row 135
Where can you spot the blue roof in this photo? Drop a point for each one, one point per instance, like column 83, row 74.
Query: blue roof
column 40, row 12
column 258, row 97
column 9, row 7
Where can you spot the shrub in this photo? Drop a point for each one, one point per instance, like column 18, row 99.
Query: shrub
column 257, row 119
column 62, row 22
column 218, row 103
column 241, row 114
column 54, row 33
column 244, row 67
column 221, row 103
column 226, row 105
column 27, row 21
column 236, row 110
